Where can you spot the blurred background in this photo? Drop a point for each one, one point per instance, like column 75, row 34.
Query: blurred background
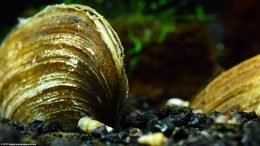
column 173, row 47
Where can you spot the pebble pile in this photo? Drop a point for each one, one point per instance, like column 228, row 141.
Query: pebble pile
column 143, row 124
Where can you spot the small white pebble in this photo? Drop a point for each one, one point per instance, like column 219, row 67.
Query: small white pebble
column 88, row 125
column 109, row 129
column 220, row 119
column 177, row 102
column 155, row 139
column 197, row 111
column 233, row 120
column 204, row 133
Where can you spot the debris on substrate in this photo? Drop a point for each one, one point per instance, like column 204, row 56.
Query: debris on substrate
column 141, row 122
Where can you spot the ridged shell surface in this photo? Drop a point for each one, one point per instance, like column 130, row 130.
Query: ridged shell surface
column 235, row 89
column 60, row 65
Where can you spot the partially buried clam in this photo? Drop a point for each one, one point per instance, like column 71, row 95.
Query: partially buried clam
column 61, row 64
column 235, row 89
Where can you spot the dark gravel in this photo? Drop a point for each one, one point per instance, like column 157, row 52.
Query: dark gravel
column 181, row 126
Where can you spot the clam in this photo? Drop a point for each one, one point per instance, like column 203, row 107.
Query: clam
column 236, row 89
column 64, row 63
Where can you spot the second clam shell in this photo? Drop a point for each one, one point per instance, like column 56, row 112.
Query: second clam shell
column 235, row 89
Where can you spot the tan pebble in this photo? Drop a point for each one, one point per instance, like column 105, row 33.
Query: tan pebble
column 155, row 139
column 88, row 125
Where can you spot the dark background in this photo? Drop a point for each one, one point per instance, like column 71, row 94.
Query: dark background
column 208, row 36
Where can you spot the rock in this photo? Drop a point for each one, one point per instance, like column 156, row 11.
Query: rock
column 135, row 132
column 52, row 127
column 179, row 133
column 117, row 138
column 99, row 131
column 17, row 126
column 8, row 135
column 165, row 126
column 199, row 121
column 181, row 116
column 244, row 116
column 252, row 134
column 36, row 126
column 61, row 142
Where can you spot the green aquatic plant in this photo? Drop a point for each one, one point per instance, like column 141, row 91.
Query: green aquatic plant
column 134, row 52
column 137, row 44
column 163, row 10
column 164, row 33
column 199, row 14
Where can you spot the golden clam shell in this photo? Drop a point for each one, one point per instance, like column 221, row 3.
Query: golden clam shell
column 60, row 65
column 235, row 89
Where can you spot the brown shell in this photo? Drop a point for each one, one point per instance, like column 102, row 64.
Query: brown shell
column 235, row 89
column 61, row 64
